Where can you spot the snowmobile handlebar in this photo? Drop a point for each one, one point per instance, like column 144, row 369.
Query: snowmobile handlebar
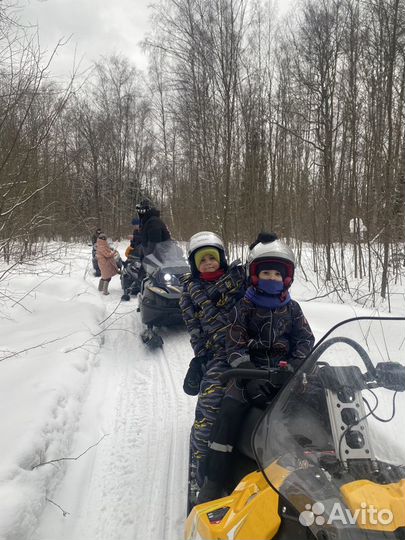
column 389, row 375
column 277, row 377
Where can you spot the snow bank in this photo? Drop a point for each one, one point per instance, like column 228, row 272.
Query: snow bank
column 49, row 321
column 50, row 338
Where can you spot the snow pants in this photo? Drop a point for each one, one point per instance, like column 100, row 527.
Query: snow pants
column 225, row 432
column 208, row 405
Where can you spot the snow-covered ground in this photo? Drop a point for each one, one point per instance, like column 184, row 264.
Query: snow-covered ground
column 76, row 380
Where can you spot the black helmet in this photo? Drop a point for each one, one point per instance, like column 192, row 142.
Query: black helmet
column 144, row 206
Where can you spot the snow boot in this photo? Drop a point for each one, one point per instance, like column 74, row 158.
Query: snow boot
column 105, row 287
column 210, row 491
column 100, row 285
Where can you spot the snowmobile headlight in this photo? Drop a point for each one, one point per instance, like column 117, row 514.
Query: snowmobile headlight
column 167, row 278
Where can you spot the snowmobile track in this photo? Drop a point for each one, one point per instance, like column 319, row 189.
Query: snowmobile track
column 136, row 479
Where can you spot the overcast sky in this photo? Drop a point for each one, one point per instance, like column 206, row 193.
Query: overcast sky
column 97, row 27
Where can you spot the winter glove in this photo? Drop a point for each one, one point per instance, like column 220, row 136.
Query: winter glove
column 260, row 392
column 129, row 251
column 194, row 375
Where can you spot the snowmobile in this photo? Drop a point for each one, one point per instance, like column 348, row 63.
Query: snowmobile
column 131, row 277
column 161, row 290
column 326, row 459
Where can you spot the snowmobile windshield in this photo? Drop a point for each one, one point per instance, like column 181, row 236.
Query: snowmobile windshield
column 338, row 428
column 167, row 259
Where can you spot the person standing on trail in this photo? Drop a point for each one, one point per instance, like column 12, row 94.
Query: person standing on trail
column 95, row 236
column 106, row 261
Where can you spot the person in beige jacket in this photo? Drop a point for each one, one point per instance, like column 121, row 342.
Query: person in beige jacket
column 106, row 261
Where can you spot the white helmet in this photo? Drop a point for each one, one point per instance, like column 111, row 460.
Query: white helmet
column 274, row 251
column 205, row 239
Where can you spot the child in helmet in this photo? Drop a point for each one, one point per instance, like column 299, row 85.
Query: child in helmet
column 267, row 328
column 209, row 294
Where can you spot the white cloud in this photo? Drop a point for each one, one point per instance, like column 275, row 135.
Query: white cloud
column 96, row 27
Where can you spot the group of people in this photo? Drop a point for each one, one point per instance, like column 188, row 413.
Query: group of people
column 237, row 317
column 148, row 230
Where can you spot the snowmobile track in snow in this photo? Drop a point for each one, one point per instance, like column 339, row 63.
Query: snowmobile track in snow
column 137, row 477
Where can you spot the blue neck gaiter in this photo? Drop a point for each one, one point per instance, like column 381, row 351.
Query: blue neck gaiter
column 268, row 294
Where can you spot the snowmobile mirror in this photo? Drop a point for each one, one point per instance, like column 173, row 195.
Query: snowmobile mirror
column 391, row 375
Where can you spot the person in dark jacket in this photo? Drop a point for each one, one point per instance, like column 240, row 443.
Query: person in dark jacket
column 135, row 246
column 267, row 327
column 153, row 229
column 95, row 236
column 209, row 294
column 94, row 239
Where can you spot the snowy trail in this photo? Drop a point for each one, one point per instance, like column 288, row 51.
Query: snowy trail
column 67, row 385
column 133, row 484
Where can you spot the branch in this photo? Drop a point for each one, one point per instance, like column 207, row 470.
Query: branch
column 321, row 296
column 35, row 346
column 15, row 301
column 103, row 330
column 112, row 313
column 8, row 270
column 64, row 512
column 70, row 458
column 30, row 291
column 20, row 203
column 303, row 139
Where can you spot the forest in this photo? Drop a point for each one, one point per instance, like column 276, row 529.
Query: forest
column 243, row 121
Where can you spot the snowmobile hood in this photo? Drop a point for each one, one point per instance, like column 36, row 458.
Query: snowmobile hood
column 337, row 431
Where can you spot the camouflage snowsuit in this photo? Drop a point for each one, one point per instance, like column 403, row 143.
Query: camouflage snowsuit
column 205, row 307
column 265, row 337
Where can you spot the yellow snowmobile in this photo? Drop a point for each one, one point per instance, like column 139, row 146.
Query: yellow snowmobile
column 326, row 461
